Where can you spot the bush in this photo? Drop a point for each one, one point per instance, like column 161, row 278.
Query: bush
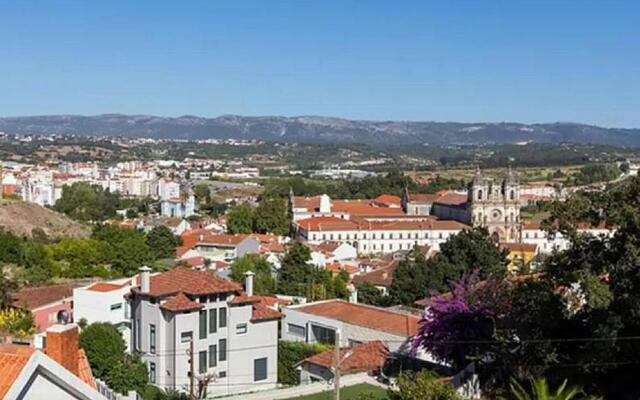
column 291, row 353
column 104, row 347
column 17, row 322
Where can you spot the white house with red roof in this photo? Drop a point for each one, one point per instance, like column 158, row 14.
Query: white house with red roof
column 234, row 333
column 358, row 323
column 105, row 302
column 378, row 236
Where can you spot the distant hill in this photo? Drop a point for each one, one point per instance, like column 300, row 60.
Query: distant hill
column 311, row 129
column 28, row 219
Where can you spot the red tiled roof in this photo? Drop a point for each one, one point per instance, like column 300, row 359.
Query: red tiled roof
column 327, row 224
column 339, row 224
column 189, row 281
column 180, row 303
column 362, row 357
column 261, row 306
column 519, row 247
column 423, row 197
column 337, row 267
column 378, row 277
column 84, row 369
column 388, row 199
column 452, row 199
column 327, row 247
column 365, row 316
column 194, row 261
column 107, row 287
column 13, row 358
column 261, row 313
column 35, row 297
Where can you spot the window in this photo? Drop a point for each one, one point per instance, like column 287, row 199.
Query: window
column 152, row 339
column 323, row 335
column 222, row 348
column 185, row 337
column 259, row 369
column 213, row 321
column 222, row 374
column 512, row 195
column 213, row 298
column 222, row 317
column 440, row 235
column 479, row 194
column 203, row 324
column 116, row 306
column 203, row 299
column 213, row 355
column 152, row 372
column 202, row 362
column 296, row 330
column 138, row 330
column 241, row 329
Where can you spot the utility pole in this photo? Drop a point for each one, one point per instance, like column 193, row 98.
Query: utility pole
column 192, row 374
column 336, row 368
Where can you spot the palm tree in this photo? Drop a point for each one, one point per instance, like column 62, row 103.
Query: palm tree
column 540, row 391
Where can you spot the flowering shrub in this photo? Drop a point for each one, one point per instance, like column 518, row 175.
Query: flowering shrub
column 17, row 322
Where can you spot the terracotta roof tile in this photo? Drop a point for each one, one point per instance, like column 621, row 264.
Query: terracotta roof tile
column 35, row 297
column 107, row 287
column 388, row 199
column 189, row 281
column 13, row 358
column 378, row 277
column 452, row 199
column 179, row 303
column 84, row 369
column 519, row 247
column 363, row 357
column 365, row 316
column 261, row 313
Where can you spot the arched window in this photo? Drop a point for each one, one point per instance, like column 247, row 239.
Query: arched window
column 512, row 195
column 480, row 194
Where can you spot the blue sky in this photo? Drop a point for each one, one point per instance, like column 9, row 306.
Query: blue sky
column 480, row 60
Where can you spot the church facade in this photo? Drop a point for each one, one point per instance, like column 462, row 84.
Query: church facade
column 495, row 205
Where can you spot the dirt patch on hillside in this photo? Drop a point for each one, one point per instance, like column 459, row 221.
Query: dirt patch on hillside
column 27, row 219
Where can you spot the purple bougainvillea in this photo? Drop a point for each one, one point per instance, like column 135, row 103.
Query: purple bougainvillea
column 458, row 325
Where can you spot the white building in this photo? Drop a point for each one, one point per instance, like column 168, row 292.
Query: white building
column 358, row 323
column 105, row 302
column 168, row 189
column 381, row 236
column 233, row 335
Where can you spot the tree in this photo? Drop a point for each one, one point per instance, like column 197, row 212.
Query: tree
column 162, row 242
column 104, row 347
column 128, row 374
column 423, row 386
column 86, row 202
column 202, row 193
column 8, row 286
column 38, row 262
column 263, row 281
column 271, row 216
column 469, row 251
column 369, row 294
column 130, row 248
column 540, row 391
column 240, row 219
column 290, row 354
column 455, row 327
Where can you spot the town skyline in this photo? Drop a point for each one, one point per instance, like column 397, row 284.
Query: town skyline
column 441, row 61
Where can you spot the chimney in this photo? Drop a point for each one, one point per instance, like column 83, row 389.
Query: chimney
column 353, row 296
column 145, row 279
column 61, row 345
column 248, row 283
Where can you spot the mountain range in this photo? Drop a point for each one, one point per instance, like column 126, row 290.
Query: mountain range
column 314, row 129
